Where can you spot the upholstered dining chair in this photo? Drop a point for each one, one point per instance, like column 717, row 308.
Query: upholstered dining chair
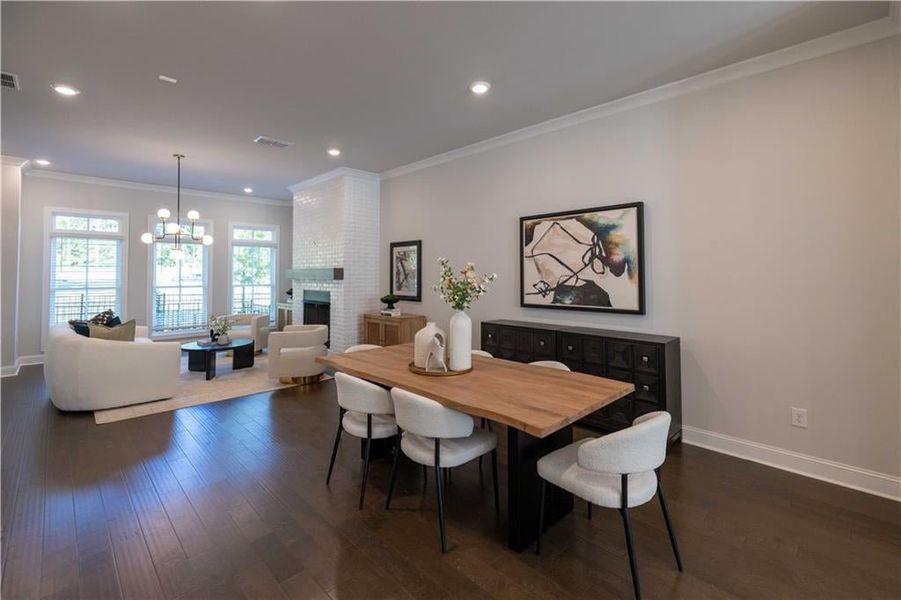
column 620, row 470
column 361, row 348
column 551, row 364
column 365, row 410
column 482, row 353
column 439, row 437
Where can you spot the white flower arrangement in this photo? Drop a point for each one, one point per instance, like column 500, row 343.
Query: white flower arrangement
column 460, row 292
column 220, row 325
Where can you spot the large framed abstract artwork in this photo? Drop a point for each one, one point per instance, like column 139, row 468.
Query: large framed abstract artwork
column 406, row 270
column 590, row 259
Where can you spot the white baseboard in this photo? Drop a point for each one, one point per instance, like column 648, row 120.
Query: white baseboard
column 29, row 359
column 857, row 478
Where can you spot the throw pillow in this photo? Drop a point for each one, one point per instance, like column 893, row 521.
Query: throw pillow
column 80, row 327
column 120, row 333
column 104, row 318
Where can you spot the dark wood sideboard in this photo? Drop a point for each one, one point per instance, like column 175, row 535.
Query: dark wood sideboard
column 651, row 362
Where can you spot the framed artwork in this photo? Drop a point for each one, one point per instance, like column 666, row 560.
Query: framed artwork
column 406, row 270
column 589, row 259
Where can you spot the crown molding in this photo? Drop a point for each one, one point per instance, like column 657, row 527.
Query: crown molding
column 834, row 42
column 15, row 161
column 334, row 174
column 134, row 185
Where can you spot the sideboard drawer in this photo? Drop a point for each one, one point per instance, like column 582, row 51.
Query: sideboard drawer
column 593, row 369
column 646, row 358
column 574, row 365
column 507, row 338
column 619, row 354
column 619, row 412
column 489, row 337
column 543, row 345
column 647, row 388
column 620, row 374
column 593, row 350
column 570, row 347
column 522, row 341
column 642, row 408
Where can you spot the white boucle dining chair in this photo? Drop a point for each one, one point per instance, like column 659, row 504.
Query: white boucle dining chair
column 620, row 470
column 551, row 364
column 365, row 410
column 484, row 422
column 436, row 436
column 361, row 348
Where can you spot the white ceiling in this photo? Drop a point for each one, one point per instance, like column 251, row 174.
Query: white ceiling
column 385, row 82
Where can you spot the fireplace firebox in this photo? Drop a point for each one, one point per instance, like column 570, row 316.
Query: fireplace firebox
column 317, row 308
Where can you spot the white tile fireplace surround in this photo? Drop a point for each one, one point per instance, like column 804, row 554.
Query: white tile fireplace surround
column 336, row 226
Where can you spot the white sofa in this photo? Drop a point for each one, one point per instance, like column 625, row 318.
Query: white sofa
column 92, row 374
column 293, row 352
column 250, row 326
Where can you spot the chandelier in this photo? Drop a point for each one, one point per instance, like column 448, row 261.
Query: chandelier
column 173, row 231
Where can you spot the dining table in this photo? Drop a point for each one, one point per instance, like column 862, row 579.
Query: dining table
column 537, row 404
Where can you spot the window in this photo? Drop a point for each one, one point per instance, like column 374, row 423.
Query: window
column 254, row 264
column 179, row 300
column 86, row 264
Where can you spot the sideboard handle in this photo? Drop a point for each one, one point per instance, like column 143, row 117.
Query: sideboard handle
column 541, row 343
column 646, row 388
column 645, row 359
column 569, row 348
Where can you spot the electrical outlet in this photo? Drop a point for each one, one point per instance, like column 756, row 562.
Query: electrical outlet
column 799, row 417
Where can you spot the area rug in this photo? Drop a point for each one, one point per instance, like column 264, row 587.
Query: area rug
column 193, row 389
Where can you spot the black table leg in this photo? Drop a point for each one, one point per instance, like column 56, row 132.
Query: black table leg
column 242, row 357
column 524, row 486
column 210, row 364
column 197, row 360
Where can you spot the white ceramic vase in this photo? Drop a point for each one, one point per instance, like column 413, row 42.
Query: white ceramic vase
column 421, row 343
column 460, row 346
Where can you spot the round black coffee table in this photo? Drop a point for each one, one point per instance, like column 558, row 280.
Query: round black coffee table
column 203, row 358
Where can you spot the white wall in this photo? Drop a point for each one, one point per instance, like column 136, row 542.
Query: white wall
column 771, row 241
column 11, row 181
column 140, row 202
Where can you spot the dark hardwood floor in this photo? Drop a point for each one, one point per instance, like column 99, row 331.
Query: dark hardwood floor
column 228, row 500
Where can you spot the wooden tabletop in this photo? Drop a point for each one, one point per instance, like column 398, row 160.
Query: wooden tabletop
column 537, row 400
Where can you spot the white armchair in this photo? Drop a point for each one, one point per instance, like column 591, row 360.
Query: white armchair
column 251, row 326
column 293, row 352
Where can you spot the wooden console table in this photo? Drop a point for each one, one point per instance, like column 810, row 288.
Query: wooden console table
column 390, row 331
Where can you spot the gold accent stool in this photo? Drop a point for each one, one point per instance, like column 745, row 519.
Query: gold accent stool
column 305, row 380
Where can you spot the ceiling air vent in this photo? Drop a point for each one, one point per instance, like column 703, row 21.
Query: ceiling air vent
column 265, row 140
column 8, row 80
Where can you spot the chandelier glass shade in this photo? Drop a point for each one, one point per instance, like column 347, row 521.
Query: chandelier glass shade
column 172, row 230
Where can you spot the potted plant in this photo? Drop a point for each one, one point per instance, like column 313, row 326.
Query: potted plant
column 459, row 293
column 219, row 327
column 389, row 300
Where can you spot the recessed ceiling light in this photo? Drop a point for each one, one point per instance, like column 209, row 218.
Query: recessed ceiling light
column 43, row 162
column 480, row 88
column 66, row 90
column 334, row 152
column 248, row 190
